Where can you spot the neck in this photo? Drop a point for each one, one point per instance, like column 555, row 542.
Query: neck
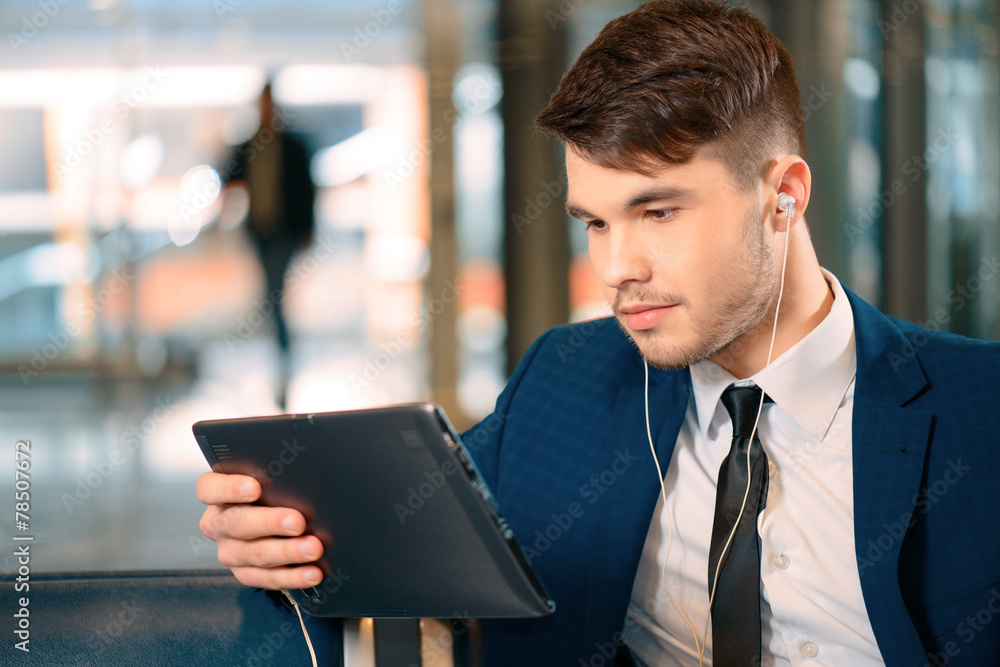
column 806, row 301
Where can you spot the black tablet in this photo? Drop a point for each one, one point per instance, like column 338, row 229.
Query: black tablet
column 409, row 527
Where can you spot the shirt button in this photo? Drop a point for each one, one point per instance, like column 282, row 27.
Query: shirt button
column 771, row 468
column 781, row 562
column 810, row 650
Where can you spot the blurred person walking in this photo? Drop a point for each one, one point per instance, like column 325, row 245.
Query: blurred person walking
column 273, row 167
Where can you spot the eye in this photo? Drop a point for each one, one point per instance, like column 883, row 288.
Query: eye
column 596, row 225
column 661, row 214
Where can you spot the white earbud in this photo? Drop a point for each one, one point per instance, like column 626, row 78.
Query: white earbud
column 787, row 204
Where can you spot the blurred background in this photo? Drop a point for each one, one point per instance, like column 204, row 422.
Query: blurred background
column 137, row 290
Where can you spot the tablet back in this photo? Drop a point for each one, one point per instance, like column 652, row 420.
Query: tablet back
column 408, row 525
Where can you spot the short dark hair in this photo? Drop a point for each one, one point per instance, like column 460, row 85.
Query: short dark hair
column 673, row 76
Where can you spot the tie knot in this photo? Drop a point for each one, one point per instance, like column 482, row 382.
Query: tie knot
column 741, row 404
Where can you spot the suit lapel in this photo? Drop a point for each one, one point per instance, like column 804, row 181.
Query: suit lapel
column 889, row 447
column 626, row 507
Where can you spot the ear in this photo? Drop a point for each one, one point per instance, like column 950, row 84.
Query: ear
column 790, row 176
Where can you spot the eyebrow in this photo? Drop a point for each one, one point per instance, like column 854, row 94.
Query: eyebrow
column 657, row 193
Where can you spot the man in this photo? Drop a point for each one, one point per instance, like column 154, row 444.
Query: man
column 273, row 167
column 872, row 528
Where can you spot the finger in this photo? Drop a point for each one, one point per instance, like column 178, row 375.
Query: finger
column 215, row 488
column 249, row 522
column 279, row 578
column 269, row 552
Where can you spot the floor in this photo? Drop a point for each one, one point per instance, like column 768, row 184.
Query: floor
column 113, row 465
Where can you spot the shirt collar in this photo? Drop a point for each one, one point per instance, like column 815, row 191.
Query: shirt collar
column 808, row 381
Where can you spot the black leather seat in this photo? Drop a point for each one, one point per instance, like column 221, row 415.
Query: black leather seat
column 184, row 618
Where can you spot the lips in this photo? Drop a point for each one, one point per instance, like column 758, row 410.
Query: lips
column 639, row 317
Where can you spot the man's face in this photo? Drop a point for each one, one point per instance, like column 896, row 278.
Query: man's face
column 684, row 256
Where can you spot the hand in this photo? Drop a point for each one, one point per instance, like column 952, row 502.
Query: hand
column 257, row 543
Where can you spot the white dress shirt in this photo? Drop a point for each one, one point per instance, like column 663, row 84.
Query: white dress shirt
column 812, row 609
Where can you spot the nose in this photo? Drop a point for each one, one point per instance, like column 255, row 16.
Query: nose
column 624, row 256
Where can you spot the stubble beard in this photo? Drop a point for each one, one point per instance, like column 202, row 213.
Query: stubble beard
column 744, row 296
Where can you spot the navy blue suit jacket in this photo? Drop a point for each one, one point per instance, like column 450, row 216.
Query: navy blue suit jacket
column 567, row 456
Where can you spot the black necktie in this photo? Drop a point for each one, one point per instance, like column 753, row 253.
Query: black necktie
column 736, row 610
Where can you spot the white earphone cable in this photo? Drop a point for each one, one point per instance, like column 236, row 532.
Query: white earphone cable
column 753, row 433
column 700, row 646
column 302, row 622
column 670, row 531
